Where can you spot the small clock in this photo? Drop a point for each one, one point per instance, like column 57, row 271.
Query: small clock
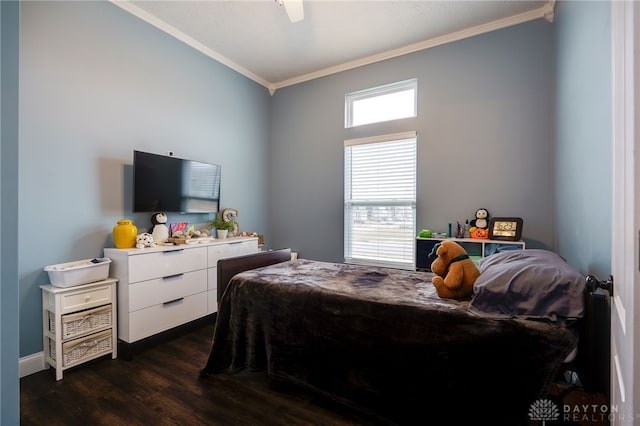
column 505, row 228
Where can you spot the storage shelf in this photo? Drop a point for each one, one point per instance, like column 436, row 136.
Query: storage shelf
column 476, row 248
column 63, row 308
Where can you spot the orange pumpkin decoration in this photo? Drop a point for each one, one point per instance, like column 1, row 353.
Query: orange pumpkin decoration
column 480, row 234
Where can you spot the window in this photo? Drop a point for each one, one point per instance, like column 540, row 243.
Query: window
column 380, row 200
column 384, row 103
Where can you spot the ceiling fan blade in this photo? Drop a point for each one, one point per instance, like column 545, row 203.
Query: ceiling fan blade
column 294, row 9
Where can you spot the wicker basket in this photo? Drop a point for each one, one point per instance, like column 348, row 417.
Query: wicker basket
column 82, row 322
column 82, row 349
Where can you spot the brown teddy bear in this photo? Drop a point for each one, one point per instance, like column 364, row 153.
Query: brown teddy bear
column 455, row 272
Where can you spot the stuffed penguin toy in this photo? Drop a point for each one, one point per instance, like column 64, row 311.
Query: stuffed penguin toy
column 481, row 220
column 159, row 231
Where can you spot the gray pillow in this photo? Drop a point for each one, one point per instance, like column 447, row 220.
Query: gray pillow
column 528, row 284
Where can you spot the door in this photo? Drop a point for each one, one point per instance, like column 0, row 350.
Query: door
column 625, row 398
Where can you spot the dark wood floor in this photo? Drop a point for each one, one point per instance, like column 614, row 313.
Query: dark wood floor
column 160, row 386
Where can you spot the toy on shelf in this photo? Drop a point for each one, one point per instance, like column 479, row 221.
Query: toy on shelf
column 425, row 233
column 179, row 227
column 159, row 231
column 481, row 220
column 185, row 233
column 479, row 226
column 145, row 240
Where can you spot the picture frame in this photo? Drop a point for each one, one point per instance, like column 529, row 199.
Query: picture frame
column 505, row 228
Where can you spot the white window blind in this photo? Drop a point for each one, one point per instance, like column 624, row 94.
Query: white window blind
column 380, row 200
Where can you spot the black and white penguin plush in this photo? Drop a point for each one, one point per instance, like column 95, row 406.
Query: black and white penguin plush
column 159, row 231
column 481, row 220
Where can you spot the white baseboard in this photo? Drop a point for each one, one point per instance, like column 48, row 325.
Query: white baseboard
column 31, row 364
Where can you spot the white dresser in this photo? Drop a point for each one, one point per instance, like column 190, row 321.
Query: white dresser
column 167, row 286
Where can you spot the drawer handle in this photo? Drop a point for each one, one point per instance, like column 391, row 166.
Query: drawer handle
column 172, row 251
column 87, row 346
column 87, row 297
column 168, row 277
column 170, row 302
column 235, row 242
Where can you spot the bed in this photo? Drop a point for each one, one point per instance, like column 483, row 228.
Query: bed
column 383, row 342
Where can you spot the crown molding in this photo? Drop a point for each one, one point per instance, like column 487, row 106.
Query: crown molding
column 545, row 12
column 549, row 10
column 160, row 24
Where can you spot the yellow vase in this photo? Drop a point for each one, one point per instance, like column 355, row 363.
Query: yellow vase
column 124, row 234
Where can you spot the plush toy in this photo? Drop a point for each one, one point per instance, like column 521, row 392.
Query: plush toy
column 159, row 231
column 145, row 240
column 480, row 225
column 481, row 220
column 455, row 272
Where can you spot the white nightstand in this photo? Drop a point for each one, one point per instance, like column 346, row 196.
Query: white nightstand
column 79, row 323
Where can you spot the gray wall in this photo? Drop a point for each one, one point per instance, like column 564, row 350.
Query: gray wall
column 583, row 135
column 9, row 312
column 95, row 84
column 485, row 139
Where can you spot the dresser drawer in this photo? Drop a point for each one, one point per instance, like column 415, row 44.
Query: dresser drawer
column 161, row 264
column 160, row 290
column 157, row 318
column 232, row 249
column 214, row 253
column 212, row 281
column 83, row 349
column 84, row 299
column 83, row 322
column 212, row 301
column 245, row 247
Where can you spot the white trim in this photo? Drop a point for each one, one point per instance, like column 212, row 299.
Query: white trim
column 545, row 12
column 549, row 10
column 31, row 364
column 621, row 312
column 160, row 24
column 621, row 389
column 381, row 138
column 625, row 211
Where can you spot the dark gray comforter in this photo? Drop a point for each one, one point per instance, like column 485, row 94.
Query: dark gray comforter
column 383, row 341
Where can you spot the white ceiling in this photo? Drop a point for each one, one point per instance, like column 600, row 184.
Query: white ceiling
column 256, row 38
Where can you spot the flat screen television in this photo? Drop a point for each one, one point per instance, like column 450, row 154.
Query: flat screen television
column 163, row 183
